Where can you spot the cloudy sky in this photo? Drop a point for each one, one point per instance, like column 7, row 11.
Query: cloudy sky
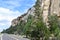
column 10, row 9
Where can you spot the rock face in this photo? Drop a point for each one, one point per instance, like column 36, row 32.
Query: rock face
column 23, row 17
column 55, row 7
column 46, row 10
column 49, row 7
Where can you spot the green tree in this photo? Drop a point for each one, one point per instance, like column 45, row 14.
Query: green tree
column 27, row 27
column 37, row 27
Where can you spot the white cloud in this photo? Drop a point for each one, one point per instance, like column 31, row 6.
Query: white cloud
column 2, row 24
column 9, row 15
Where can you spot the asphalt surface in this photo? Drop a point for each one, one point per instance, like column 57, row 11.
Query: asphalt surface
column 0, row 38
column 11, row 37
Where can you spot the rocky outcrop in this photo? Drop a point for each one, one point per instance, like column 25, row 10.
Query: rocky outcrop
column 23, row 17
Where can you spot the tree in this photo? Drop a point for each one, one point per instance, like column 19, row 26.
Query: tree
column 37, row 27
column 27, row 27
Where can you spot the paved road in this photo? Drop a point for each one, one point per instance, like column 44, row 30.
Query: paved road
column 11, row 37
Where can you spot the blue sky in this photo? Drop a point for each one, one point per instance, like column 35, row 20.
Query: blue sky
column 10, row 9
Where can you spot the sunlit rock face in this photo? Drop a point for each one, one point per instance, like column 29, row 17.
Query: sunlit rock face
column 55, row 7
column 46, row 10
column 50, row 7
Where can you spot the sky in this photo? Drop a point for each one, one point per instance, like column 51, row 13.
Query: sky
column 11, row 9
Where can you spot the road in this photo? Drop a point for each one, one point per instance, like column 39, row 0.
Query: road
column 11, row 37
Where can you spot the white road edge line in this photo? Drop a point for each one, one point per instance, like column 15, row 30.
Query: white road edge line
column 1, row 36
